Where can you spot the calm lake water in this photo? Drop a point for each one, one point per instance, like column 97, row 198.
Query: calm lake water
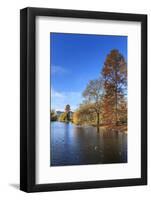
column 81, row 145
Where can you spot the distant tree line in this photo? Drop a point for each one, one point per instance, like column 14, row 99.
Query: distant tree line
column 65, row 116
column 53, row 116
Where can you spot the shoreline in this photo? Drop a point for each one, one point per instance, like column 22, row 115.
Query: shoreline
column 122, row 128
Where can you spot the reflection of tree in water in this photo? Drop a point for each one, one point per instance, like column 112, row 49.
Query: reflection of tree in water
column 115, row 149
column 81, row 145
column 87, row 142
column 103, row 147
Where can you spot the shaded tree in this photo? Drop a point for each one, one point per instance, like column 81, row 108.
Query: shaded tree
column 67, row 111
column 53, row 116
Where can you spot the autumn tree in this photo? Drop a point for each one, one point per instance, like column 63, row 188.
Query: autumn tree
column 114, row 74
column 65, row 116
column 84, row 114
column 53, row 115
column 93, row 95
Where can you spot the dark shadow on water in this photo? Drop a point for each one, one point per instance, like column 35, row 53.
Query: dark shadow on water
column 15, row 185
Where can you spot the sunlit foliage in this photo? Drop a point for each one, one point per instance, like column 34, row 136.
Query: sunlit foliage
column 85, row 115
column 105, row 98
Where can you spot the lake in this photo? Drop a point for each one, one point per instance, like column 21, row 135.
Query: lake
column 82, row 145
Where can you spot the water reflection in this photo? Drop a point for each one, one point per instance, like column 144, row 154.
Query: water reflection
column 77, row 145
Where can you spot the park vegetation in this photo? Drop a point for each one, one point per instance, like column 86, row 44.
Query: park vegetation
column 65, row 116
column 53, row 116
column 105, row 98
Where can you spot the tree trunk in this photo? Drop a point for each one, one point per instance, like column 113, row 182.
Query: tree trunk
column 98, row 121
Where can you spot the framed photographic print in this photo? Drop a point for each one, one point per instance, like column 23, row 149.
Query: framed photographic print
column 83, row 95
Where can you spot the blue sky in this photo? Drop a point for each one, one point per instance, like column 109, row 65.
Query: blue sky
column 74, row 60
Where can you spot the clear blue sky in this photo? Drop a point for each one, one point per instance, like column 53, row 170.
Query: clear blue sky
column 74, row 60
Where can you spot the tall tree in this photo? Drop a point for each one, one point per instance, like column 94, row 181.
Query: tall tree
column 93, row 95
column 67, row 111
column 114, row 75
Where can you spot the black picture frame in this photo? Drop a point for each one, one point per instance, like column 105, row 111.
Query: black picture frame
column 28, row 99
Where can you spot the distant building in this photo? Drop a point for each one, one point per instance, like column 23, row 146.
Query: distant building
column 59, row 113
